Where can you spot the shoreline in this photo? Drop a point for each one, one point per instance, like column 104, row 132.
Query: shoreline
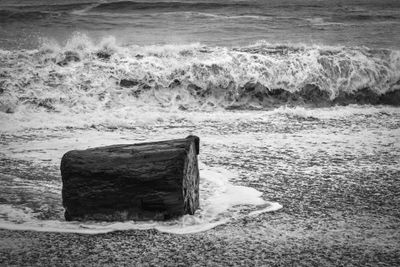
column 318, row 226
column 336, row 176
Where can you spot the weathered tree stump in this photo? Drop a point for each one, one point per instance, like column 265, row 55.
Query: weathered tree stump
column 158, row 180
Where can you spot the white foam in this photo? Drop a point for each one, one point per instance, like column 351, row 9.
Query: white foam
column 92, row 83
column 15, row 215
column 336, row 112
column 150, row 116
column 220, row 200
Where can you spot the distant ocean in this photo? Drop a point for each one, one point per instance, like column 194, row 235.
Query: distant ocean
column 372, row 23
column 255, row 79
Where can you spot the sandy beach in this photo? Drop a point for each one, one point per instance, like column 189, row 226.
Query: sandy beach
column 339, row 196
column 349, row 227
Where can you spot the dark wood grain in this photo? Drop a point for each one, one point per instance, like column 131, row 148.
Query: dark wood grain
column 157, row 180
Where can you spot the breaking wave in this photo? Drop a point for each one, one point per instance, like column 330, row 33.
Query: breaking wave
column 83, row 76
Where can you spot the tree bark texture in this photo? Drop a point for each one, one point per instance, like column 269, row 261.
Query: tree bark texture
column 157, row 181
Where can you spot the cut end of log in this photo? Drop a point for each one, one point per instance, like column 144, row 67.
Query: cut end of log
column 156, row 180
column 196, row 140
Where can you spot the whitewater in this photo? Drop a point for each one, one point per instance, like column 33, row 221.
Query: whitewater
column 298, row 93
column 82, row 75
column 260, row 110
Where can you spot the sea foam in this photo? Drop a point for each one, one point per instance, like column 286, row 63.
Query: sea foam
column 220, row 201
column 82, row 76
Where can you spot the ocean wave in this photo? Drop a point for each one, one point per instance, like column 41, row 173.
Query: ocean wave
column 34, row 12
column 126, row 6
column 13, row 15
column 318, row 21
column 81, row 76
column 191, row 14
column 368, row 17
column 48, row 7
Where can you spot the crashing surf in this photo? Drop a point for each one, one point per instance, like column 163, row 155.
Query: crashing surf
column 82, row 76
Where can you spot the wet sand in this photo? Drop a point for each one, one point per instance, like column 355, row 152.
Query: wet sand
column 360, row 229
column 335, row 171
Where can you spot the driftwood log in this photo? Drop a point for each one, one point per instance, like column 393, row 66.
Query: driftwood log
column 158, row 181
